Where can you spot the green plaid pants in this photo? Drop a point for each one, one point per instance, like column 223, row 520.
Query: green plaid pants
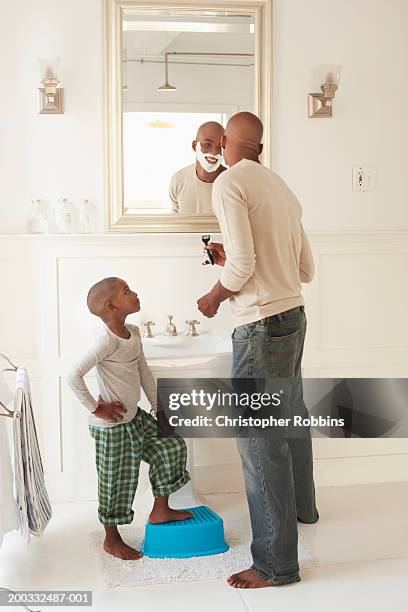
column 119, row 450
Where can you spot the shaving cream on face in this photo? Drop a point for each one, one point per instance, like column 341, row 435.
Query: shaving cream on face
column 206, row 165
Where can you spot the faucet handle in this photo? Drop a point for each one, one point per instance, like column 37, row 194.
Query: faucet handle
column 171, row 329
column 192, row 327
column 147, row 331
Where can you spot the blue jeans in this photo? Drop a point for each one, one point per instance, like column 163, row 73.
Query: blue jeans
column 278, row 472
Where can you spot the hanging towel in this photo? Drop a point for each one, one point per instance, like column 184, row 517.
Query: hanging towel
column 8, row 513
column 33, row 504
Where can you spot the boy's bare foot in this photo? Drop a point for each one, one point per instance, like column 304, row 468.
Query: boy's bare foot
column 164, row 515
column 114, row 545
column 161, row 513
column 121, row 550
column 247, row 579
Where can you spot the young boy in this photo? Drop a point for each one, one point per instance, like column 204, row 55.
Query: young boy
column 124, row 433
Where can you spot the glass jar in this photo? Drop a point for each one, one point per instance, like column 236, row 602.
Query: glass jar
column 64, row 216
column 84, row 217
column 38, row 221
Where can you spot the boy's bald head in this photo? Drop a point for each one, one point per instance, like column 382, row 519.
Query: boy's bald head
column 243, row 137
column 101, row 293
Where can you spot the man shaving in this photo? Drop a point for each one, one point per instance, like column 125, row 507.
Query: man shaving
column 265, row 256
column 191, row 187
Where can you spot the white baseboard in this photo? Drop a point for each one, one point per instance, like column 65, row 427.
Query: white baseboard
column 227, row 478
column 338, row 471
column 342, row 471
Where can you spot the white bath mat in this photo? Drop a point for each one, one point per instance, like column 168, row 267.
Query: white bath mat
column 146, row 571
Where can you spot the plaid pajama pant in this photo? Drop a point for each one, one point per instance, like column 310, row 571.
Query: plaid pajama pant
column 119, row 450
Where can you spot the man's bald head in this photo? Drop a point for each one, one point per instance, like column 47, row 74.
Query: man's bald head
column 245, row 129
column 101, row 293
column 242, row 138
column 211, row 130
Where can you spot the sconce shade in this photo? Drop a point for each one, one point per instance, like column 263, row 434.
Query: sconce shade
column 328, row 73
column 49, row 68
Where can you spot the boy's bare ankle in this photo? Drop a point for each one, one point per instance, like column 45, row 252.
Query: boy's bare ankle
column 112, row 534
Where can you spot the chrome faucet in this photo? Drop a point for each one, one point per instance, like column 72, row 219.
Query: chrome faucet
column 192, row 327
column 147, row 331
column 171, row 328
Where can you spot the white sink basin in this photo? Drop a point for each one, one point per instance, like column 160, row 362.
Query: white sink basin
column 184, row 351
column 168, row 342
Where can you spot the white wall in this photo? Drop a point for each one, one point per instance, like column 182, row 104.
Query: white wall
column 50, row 156
column 370, row 125
column 43, row 156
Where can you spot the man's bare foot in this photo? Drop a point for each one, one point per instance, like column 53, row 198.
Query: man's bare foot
column 166, row 515
column 118, row 548
column 247, row 579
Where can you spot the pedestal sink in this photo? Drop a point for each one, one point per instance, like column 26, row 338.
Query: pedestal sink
column 184, row 347
column 181, row 356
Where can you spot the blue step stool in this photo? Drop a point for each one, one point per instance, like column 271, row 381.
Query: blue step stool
column 198, row 536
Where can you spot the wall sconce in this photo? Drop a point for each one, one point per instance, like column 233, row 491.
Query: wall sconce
column 320, row 104
column 51, row 96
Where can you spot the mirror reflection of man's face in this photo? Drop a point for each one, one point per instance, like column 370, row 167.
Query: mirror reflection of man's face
column 210, row 148
column 210, row 143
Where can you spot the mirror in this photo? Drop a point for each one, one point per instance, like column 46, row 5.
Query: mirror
column 170, row 70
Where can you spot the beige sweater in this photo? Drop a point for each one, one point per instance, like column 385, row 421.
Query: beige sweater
column 268, row 253
column 121, row 369
column 188, row 194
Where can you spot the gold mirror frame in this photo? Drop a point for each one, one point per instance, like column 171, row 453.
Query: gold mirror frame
column 117, row 220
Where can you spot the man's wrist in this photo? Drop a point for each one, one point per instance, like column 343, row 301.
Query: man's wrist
column 219, row 293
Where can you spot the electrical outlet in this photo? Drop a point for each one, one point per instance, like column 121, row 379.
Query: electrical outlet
column 364, row 178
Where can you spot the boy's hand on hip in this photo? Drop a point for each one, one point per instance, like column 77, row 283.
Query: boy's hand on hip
column 109, row 411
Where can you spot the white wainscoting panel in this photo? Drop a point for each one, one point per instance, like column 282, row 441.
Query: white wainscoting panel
column 22, row 305
column 356, row 310
column 363, row 300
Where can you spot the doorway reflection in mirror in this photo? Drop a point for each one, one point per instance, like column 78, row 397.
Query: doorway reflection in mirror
column 180, row 72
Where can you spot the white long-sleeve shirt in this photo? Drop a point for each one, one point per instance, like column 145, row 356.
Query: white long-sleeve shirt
column 190, row 195
column 268, row 253
column 121, row 371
